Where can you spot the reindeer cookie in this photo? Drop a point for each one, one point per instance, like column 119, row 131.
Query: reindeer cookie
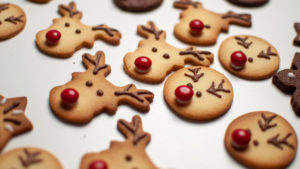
column 297, row 38
column 129, row 154
column 198, row 93
column 12, row 118
column 199, row 26
column 68, row 34
column 249, row 3
column 288, row 81
column 29, row 158
column 12, row 20
column 154, row 58
column 261, row 140
column 138, row 5
column 89, row 93
column 249, row 57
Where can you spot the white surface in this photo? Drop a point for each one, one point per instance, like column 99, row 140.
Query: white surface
column 175, row 143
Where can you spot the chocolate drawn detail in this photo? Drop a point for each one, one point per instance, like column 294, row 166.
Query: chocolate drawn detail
column 212, row 90
column 279, row 142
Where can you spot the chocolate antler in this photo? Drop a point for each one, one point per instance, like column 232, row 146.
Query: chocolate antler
column 71, row 9
column 133, row 94
column 278, row 142
column 242, row 42
column 12, row 108
column 30, row 159
column 267, row 54
column 3, row 7
column 195, row 77
column 297, row 38
column 152, row 30
column 108, row 30
column 186, row 3
column 196, row 53
column 14, row 20
column 95, row 62
column 243, row 17
column 267, row 121
column 213, row 90
column 135, row 128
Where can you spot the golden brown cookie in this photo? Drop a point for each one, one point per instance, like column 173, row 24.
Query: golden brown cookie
column 261, row 140
column 129, row 154
column 198, row 93
column 199, row 26
column 29, row 158
column 154, row 58
column 249, row 57
column 68, row 34
column 89, row 93
column 13, row 120
column 12, row 20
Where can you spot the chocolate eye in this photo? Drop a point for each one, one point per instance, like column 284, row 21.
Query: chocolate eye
column 166, row 56
column 128, row 158
column 77, row 31
column 154, row 49
column 67, row 24
column 100, row 92
column 89, row 83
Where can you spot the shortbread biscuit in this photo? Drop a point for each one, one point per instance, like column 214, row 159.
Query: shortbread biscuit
column 129, row 154
column 29, row 158
column 261, row 59
column 269, row 141
column 199, row 26
column 210, row 93
column 12, row 20
column 68, row 34
column 138, row 5
column 249, row 3
column 89, row 93
column 163, row 57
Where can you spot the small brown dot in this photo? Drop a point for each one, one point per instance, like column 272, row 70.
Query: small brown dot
column 78, row 31
column 250, row 59
column 128, row 158
column 166, row 56
column 154, row 49
column 255, row 142
column 89, row 83
column 0, row 22
column 190, row 85
column 198, row 94
column 100, row 92
column 207, row 26
column 67, row 24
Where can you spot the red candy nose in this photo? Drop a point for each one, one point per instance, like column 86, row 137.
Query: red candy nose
column 99, row 164
column 196, row 25
column 238, row 59
column 69, row 96
column 143, row 64
column 53, row 36
column 184, row 93
column 241, row 138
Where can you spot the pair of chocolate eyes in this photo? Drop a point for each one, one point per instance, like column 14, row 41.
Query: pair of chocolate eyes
column 89, row 83
column 166, row 55
column 77, row 31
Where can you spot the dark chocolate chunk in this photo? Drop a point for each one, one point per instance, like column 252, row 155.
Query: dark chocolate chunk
column 138, row 5
column 248, row 3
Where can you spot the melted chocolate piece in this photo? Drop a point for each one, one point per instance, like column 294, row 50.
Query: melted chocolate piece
column 30, row 158
column 138, row 5
column 154, row 49
column 284, row 81
column 67, row 24
column 250, row 59
column 100, row 92
column 134, row 95
column 95, row 62
column 267, row 55
column 4, row 7
column 152, row 30
column 212, row 90
column 242, row 42
column 243, row 17
column 77, row 31
column 70, row 9
column 248, row 3
column 166, row 56
column 280, row 142
column 186, row 3
column 198, row 94
column 14, row 20
column 297, row 38
column 11, row 107
column 108, row 30
column 267, row 120
column 195, row 77
column 197, row 54
column 89, row 83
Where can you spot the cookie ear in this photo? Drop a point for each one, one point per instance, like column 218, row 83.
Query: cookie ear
column 96, row 63
column 183, row 4
column 150, row 30
column 70, row 11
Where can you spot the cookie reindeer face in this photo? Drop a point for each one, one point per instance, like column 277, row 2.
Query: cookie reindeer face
column 202, row 27
column 68, row 34
column 12, row 20
column 12, row 118
column 198, row 93
column 163, row 57
column 272, row 143
column 89, row 93
column 249, row 57
column 129, row 154
column 27, row 158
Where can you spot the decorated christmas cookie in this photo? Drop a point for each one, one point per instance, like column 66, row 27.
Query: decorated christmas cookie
column 261, row 140
column 29, row 158
column 40, row 1
column 13, row 120
column 89, row 93
column 297, row 38
column 138, row 5
column 249, row 57
column 68, row 34
column 198, row 93
column 154, row 58
column 129, row 154
column 12, row 20
column 248, row 3
column 202, row 27
column 288, row 80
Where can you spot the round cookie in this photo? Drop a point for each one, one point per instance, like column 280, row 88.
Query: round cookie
column 29, row 158
column 212, row 93
column 262, row 59
column 12, row 20
column 248, row 3
column 138, row 5
column 272, row 144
